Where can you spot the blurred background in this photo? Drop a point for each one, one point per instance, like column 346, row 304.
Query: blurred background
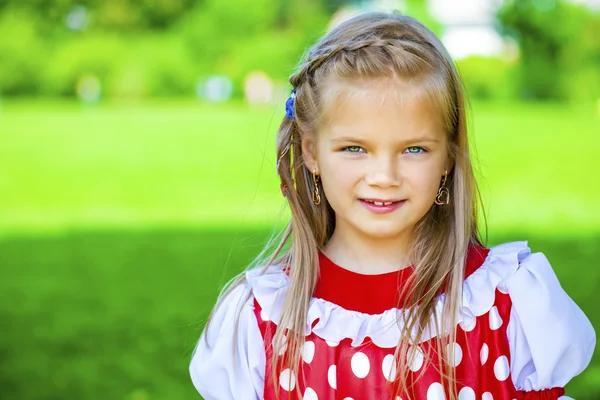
column 137, row 168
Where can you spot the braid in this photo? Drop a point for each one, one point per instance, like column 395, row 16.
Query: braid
column 331, row 51
column 314, row 61
column 327, row 52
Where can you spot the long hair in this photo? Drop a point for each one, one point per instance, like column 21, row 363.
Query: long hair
column 376, row 46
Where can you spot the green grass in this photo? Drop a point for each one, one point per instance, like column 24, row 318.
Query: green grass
column 109, row 315
column 115, row 314
column 119, row 224
column 174, row 163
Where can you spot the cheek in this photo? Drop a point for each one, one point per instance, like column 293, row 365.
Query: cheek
column 425, row 182
column 427, row 176
column 347, row 176
column 337, row 181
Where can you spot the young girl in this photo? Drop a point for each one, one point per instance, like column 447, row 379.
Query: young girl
column 380, row 287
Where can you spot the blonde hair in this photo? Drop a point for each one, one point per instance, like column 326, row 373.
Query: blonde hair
column 375, row 46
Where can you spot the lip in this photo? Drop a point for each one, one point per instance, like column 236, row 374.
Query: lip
column 382, row 209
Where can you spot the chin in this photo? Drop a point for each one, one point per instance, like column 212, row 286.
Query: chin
column 384, row 233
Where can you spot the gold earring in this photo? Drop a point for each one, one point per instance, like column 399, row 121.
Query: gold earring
column 316, row 197
column 443, row 195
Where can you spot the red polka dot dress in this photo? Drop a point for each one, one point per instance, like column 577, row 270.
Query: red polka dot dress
column 519, row 335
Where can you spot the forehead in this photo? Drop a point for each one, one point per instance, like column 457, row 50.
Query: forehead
column 380, row 108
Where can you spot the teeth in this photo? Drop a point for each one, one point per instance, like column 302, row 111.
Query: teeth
column 379, row 203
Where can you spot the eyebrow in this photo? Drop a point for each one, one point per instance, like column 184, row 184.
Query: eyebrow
column 419, row 139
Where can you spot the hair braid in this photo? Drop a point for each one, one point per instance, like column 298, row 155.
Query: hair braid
column 319, row 56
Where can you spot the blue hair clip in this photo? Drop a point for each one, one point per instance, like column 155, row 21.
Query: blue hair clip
column 289, row 106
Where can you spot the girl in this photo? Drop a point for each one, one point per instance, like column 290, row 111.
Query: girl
column 379, row 287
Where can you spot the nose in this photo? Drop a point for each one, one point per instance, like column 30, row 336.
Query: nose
column 383, row 172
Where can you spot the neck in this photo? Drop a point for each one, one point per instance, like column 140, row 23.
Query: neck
column 368, row 256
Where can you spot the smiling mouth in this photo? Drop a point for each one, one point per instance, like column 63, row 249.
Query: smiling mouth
column 381, row 203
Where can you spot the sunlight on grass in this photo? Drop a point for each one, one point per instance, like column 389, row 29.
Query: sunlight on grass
column 187, row 164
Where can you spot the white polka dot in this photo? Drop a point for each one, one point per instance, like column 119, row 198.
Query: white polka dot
column 287, row 380
column 348, row 398
column 469, row 325
column 495, row 319
column 332, row 343
column 436, row 392
column 487, row 396
column 284, row 347
column 332, row 376
column 457, row 354
column 263, row 315
column 414, row 358
column 398, row 398
column 389, row 367
column 360, row 364
column 466, row 393
column 308, row 351
column 483, row 354
column 310, row 394
column 501, row 369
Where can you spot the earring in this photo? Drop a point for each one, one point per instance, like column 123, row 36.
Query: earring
column 443, row 195
column 316, row 197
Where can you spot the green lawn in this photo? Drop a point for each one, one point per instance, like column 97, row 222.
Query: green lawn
column 119, row 224
column 115, row 314
column 174, row 163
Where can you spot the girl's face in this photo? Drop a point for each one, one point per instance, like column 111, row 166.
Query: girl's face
column 382, row 142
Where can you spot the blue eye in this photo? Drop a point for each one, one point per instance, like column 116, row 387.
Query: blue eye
column 352, row 149
column 415, row 150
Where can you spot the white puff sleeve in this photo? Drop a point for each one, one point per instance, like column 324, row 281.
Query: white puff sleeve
column 550, row 338
column 216, row 371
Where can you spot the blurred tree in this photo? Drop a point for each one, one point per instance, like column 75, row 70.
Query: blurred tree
column 136, row 14
column 140, row 48
column 487, row 78
column 558, row 41
column 21, row 53
column 125, row 15
column 415, row 8
column 331, row 6
column 244, row 35
column 419, row 10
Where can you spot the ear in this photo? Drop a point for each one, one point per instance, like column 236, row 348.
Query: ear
column 309, row 153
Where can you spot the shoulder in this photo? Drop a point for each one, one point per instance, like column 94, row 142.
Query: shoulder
column 234, row 301
column 547, row 329
column 511, row 268
column 229, row 361
column 538, row 305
